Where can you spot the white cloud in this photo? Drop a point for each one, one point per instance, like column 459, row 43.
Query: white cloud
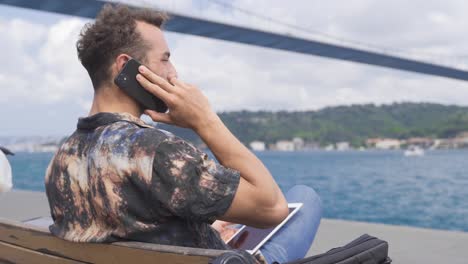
column 280, row 80
column 43, row 68
column 42, row 63
column 422, row 29
column 241, row 77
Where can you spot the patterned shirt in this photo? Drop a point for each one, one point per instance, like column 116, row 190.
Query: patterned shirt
column 117, row 178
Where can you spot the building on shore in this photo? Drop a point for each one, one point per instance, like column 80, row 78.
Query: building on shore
column 298, row 143
column 311, row 146
column 31, row 147
column 285, row 145
column 371, row 142
column 462, row 139
column 451, row 143
column 420, row 142
column 330, row 147
column 343, row 146
column 387, row 143
column 257, row 146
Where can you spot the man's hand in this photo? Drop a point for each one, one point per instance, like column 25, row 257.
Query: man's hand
column 188, row 106
column 223, row 229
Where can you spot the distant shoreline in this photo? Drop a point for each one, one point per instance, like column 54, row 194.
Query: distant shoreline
column 294, row 151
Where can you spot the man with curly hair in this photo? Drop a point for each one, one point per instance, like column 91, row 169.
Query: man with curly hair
column 118, row 178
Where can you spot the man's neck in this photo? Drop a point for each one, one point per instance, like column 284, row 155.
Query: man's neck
column 112, row 100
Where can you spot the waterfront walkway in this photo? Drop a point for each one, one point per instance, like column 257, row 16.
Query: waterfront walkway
column 407, row 244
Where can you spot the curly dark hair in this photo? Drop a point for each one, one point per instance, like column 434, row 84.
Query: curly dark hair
column 112, row 33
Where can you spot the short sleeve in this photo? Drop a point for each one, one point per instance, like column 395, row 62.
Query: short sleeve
column 189, row 184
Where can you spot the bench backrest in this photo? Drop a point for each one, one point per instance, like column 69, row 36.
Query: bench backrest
column 24, row 243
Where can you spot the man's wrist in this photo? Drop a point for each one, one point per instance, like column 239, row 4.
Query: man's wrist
column 209, row 124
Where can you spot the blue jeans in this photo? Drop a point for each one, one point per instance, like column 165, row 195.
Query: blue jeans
column 294, row 239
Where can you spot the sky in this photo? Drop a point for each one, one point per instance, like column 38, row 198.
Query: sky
column 44, row 89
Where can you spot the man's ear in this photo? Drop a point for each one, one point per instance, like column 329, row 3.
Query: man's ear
column 120, row 61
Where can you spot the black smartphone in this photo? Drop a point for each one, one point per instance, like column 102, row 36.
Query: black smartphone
column 126, row 80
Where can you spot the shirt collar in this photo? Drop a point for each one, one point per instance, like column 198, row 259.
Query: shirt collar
column 105, row 118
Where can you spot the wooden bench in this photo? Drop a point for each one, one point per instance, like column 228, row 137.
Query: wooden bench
column 29, row 243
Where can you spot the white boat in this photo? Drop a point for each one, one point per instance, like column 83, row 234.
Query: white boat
column 414, row 151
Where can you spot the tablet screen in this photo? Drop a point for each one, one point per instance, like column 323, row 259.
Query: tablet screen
column 251, row 238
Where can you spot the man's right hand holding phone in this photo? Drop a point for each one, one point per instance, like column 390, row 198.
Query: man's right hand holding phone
column 188, row 106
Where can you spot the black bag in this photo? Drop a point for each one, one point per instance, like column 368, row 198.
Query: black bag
column 363, row 250
column 234, row 257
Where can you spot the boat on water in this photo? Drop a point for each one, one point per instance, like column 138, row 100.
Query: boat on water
column 414, row 151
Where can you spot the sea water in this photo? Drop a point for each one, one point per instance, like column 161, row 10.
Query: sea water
column 374, row 186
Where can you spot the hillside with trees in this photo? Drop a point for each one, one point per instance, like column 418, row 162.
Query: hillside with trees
column 354, row 123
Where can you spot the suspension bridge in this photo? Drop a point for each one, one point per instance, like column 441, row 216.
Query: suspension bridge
column 186, row 24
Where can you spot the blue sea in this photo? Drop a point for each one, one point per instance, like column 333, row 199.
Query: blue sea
column 373, row 186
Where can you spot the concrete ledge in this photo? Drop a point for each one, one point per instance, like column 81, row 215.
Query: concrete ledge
column 21, row 205
column 407, row 244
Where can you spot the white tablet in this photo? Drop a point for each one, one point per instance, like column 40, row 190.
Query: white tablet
column 251, row 239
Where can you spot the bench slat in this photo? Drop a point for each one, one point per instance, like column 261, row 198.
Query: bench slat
column 18, row 255
column 39, row 239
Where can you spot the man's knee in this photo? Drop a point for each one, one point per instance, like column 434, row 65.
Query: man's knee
column 306, row 195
